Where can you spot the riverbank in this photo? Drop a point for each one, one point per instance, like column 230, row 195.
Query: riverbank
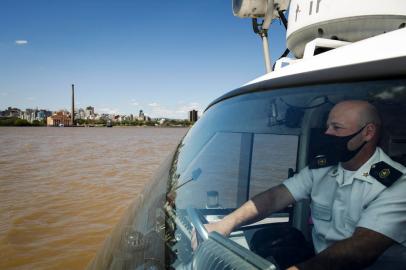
column 17, row 122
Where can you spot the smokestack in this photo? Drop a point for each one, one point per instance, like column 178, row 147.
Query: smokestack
column 73, row 106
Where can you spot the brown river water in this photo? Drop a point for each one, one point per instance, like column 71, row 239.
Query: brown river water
column 63, row 189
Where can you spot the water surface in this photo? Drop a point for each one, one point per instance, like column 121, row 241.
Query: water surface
column 63, row 189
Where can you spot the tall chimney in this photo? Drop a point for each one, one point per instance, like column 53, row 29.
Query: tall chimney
column 73, row 106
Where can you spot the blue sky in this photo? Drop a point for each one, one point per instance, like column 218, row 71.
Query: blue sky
column 165, row 57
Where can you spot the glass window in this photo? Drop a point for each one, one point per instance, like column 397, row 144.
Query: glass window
column 248, row 143
column 272, row 157
column 218, row 164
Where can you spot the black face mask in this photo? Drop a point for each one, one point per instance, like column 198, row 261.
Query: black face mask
column 333, row 149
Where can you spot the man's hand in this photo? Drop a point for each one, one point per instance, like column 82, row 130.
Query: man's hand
column 222, row 227
column 259, row 207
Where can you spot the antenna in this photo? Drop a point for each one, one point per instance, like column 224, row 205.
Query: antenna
column 258, row 9
column 263, row 34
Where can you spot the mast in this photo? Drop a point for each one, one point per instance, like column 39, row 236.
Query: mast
column 265, row 9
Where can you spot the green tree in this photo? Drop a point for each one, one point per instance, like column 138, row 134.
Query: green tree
column 7, row 121
column 81, row 121
column 21, row 122
column 100, row 122
column 36, row 123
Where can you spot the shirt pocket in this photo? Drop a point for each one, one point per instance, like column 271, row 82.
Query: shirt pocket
column 321, row 212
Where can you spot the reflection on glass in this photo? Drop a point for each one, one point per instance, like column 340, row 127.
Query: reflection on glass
column 240, row 147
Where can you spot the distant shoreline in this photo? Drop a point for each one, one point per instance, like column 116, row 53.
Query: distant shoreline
column 98, row 127
column 18, row 122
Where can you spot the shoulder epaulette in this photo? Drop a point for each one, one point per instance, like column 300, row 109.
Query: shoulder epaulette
column 385, row 173
column 321, row 161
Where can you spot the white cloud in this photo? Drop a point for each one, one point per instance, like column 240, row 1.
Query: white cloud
column 134, row 102
column 4, row 94
column 31, row 98
column 185, row 108
column 162, row 112
column 153, row 104
column 179, row 112
column 109, row 111
column 194, row 104
column 21, row 42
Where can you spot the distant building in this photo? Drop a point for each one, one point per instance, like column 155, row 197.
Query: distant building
column 127, row 117
column 29, row 115
column 90, row 112
column 116, row 118
column 43, row 114
column 105, row 116
column 61, row 118
column 34, row 114
column 81, row 114
column 40, row 115
column 161, row 121
column 193, row 116
column 12, row 112
column 72, row 119
column 141, row 116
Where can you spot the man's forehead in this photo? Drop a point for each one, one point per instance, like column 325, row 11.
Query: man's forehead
column 335, row 123
column 340, row 115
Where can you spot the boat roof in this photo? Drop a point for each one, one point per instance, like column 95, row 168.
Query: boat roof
column 379, row 57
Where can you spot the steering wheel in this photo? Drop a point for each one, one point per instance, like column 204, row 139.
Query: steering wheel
column 196, row 220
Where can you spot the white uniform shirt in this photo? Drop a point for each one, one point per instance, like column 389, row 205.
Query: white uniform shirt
column 340, row 205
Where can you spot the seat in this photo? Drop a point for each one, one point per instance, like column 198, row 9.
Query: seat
column 393, row 134
column 394, row 146
column 394, row 258
column 284, row 243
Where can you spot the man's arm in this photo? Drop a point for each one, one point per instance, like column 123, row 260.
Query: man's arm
column 356, row 252
column 259, row 207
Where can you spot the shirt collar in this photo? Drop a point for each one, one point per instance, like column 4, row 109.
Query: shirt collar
column 361, row 174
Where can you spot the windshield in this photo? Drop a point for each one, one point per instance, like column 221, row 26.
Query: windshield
column 240, row 147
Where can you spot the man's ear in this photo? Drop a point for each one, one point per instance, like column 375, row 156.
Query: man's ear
column 370, row 132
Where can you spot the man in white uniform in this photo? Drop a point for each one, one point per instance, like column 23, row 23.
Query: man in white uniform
column 358, row 194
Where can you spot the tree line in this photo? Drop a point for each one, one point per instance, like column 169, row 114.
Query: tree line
column 18, row 122
column 14, row 121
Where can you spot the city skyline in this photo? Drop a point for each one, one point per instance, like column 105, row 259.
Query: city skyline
column 81, row 110
column 164, row 57
column 179, row 114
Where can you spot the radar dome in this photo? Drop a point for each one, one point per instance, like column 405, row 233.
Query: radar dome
column 346, row 20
